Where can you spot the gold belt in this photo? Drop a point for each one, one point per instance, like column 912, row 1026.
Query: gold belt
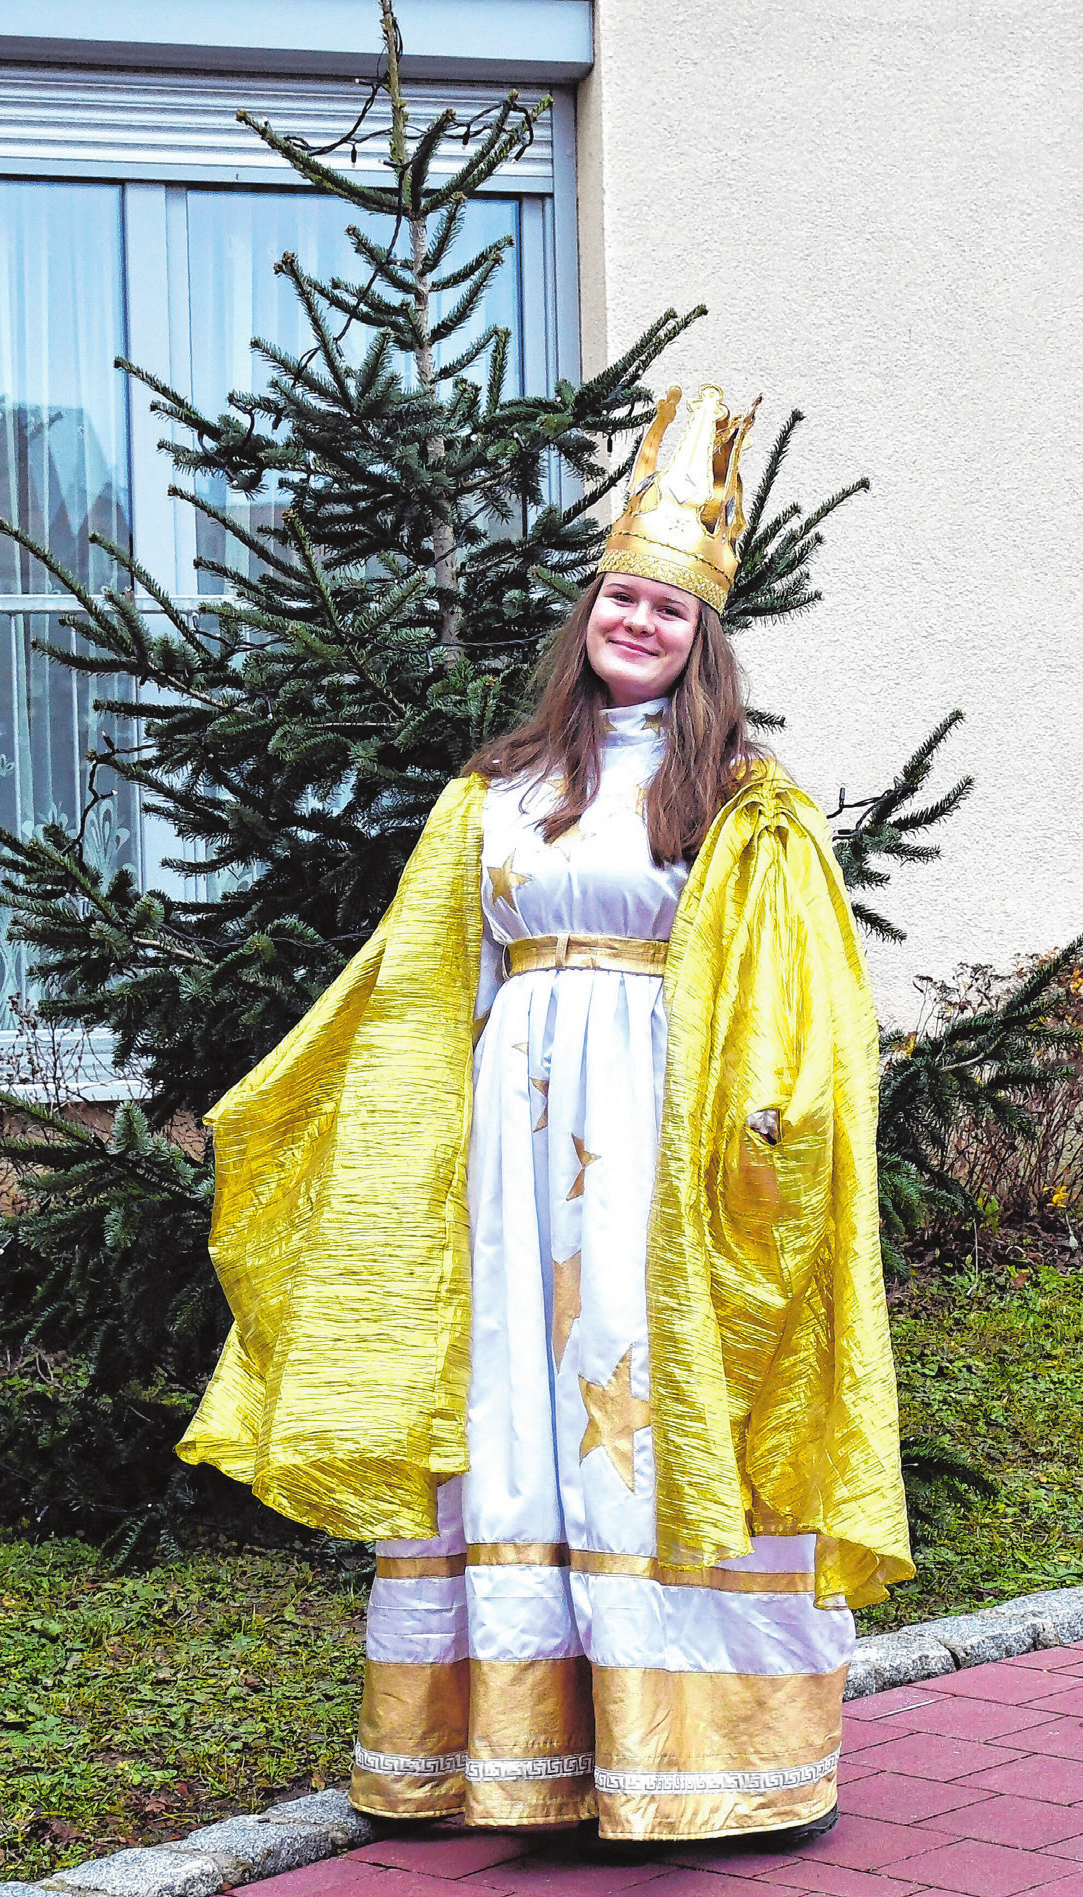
column 628, row 954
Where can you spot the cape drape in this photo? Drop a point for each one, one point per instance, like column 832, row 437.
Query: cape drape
column 341, row 1233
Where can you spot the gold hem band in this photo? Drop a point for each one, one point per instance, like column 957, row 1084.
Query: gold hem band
column 718, row 1580
column 656, row 1754
column 517, row 1554
column 500, row 1805
column 531, row 1742
column 600, row 1561
column 419, row 1567
column 375, row 1805
column 712, row 1814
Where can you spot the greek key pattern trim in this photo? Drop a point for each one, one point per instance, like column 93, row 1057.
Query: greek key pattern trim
column 566, row 1765
column 581, row 1765
column 784, row 1780
column 402, row 1765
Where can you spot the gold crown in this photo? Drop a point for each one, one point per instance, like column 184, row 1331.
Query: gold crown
column 682, row 527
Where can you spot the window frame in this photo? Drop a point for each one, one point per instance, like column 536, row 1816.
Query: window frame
column 153, row 193
column 550, row 333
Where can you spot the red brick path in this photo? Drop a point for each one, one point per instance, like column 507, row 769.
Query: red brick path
column 971, row 1784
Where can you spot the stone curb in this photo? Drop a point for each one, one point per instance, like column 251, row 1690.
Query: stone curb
column 1050, row 1619
column 217, row 1857
column 302, row 1830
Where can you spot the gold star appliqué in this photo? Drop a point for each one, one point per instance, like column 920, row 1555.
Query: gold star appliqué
column 585, row 1159
column 505, row 881
column 654, row 720
column 613, row 1416
column 606, row 726
column 543, row 1089
column 567, row 1301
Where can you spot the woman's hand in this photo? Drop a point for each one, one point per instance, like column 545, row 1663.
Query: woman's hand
column 768, row 1124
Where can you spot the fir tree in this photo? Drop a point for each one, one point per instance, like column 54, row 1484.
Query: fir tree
column 385, row 621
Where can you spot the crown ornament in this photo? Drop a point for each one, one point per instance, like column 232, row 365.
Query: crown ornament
column 682, row 526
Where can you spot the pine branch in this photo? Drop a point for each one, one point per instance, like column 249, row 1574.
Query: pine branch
column 775, row 459
column 324, row 177
column 886, row 823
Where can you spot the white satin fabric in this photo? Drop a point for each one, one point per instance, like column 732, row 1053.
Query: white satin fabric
column 567, row 1105
column 572, row 1055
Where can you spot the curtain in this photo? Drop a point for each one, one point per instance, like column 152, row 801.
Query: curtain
column 63, row 474
column 234, row 241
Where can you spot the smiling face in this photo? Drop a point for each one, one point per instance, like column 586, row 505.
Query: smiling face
column 639, row 635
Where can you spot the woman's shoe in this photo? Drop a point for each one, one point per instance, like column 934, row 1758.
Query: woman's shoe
column 794, row 1836
column 613, row 1850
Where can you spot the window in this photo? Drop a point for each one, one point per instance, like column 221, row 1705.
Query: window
column 64, row 472
column 223, row 244
column 138, row 218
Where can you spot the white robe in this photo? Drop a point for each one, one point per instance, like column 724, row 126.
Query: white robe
column 543, row 1582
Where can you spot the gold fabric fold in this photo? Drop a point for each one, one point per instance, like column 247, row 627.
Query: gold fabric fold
column 341, row 1234
column 772, row 1380
column 340, row 1229
column 512, row 1741
column 648, row 1720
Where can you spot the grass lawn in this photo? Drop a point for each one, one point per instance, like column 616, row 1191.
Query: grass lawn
column 990, row 1363
column 135, row 1707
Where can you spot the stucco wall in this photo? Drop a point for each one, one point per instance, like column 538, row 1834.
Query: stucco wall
column 881, row 204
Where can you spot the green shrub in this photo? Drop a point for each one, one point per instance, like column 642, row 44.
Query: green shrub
column 1008, row 1172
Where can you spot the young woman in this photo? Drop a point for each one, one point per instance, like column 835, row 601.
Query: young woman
column 551, row 1236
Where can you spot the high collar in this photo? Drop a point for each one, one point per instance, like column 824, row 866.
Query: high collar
column 634, row 724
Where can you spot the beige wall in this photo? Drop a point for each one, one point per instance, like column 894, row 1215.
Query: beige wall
column 880, row 201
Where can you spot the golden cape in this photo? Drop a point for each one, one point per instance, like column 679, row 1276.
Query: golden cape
column 341, row 1235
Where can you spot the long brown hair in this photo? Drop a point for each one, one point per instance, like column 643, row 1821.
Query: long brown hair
column 707, row 743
